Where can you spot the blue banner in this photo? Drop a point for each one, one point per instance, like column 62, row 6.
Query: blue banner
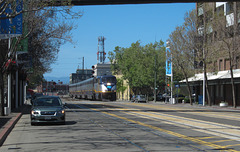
column 11, row 27
column 168, row 63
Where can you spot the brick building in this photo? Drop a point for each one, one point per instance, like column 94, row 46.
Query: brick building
column 222, row 31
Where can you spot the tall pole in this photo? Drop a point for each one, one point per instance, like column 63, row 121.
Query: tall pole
column 171, row 80
column 204, row 42
column 155, row 75
column 204, row 80
column 16, row 86
column 8, row 108
column 171, row 100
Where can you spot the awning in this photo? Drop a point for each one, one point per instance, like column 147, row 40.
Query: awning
column 214, row 76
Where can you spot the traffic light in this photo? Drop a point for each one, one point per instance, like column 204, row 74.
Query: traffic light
column 93, row 68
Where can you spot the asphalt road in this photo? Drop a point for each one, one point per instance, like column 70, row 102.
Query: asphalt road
column 129, row 127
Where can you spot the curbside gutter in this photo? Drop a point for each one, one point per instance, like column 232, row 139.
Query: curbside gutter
column 8, row 128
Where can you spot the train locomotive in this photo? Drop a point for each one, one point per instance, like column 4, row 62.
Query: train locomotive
column 96, row 88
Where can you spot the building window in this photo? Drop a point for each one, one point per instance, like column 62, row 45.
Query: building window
column 229, row 8
column 220, row 10
column 220, row 65
column 237, row 62
column 227, row 64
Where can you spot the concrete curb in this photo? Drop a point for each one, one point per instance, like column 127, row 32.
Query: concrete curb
column 8, row 128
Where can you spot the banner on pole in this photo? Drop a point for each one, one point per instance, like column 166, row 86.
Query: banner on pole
column 168, row 63
column 11, row 27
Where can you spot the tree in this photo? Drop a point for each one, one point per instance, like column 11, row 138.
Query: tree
column 181, row 42
column 44, row 30
column 205, row 55
column 137, row 65
column 120, row 87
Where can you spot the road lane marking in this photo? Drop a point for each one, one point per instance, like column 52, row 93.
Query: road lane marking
column 207, row 137
column 218, row 141
column 231, row 145
column 109, row 130
column 196, row 140
column 215, row 127
column 201, row 142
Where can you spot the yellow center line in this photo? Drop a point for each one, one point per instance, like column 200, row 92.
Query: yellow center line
column 201, row 142
column 207, row 137
column 231, row 145
column 222, row 141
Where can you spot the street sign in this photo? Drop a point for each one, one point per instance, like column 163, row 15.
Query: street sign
column 11, row 27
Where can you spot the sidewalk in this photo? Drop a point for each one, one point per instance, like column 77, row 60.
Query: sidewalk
column 7, row 123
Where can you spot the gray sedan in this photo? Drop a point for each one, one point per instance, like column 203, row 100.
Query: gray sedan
column 47, row 109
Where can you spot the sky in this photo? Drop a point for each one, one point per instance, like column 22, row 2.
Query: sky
column 121, row 25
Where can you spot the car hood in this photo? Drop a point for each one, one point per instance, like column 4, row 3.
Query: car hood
column 47, row 108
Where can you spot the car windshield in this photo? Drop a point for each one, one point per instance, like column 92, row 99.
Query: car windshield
column 47, row 102
column 109, row 80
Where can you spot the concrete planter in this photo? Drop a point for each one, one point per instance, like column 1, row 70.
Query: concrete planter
column 223, row 104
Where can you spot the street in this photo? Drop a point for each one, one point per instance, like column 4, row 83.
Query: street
column 96, row 126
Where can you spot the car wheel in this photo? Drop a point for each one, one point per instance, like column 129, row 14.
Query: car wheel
column 33, row 124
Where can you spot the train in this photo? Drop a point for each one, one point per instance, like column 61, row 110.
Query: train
column 95, row 88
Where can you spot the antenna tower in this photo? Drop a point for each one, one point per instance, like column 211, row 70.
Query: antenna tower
column 101, row 55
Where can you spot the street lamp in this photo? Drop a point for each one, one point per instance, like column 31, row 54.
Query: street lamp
column 171, row 73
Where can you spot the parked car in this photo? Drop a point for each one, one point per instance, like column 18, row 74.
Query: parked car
column 47, row 109
column 133, row 98
column 140, row 98
column 159, row 97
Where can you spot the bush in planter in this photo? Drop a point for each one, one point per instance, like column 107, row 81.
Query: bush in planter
column 180, row 99
column 150, row 98
column 186, row 100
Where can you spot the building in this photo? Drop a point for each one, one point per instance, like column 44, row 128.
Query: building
column 102, row 69
column 53, row 88
column 80, row 75
column 221, row 32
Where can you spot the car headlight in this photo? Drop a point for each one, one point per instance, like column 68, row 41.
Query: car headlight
column 33, row 112
column 61, row 111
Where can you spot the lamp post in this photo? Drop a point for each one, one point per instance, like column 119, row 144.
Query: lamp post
column 155, row 83
column 171, row 67
column 155, row 77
